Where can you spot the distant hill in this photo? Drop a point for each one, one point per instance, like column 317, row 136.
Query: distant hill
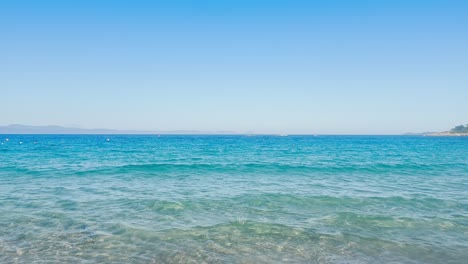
column 24, row 129
column 461, row 130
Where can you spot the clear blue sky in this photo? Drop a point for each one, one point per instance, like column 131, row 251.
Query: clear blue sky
column 268, row 66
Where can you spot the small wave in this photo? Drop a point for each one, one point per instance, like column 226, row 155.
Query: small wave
column 245, row 168
column 401, row 169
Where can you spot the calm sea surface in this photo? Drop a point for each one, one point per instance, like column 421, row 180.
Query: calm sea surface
column 233, row 199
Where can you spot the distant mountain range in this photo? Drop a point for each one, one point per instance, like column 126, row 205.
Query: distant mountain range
column 24, row 129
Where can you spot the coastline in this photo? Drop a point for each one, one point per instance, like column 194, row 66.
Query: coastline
column 447, row 134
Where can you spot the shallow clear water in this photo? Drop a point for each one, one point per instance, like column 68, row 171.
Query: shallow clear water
column 233, row 199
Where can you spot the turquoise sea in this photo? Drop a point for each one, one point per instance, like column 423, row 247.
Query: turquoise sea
column 233, row 199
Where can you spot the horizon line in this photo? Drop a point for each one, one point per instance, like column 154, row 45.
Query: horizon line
column 20, row 129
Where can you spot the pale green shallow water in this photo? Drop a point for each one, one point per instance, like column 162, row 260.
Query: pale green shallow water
column 233, row 199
